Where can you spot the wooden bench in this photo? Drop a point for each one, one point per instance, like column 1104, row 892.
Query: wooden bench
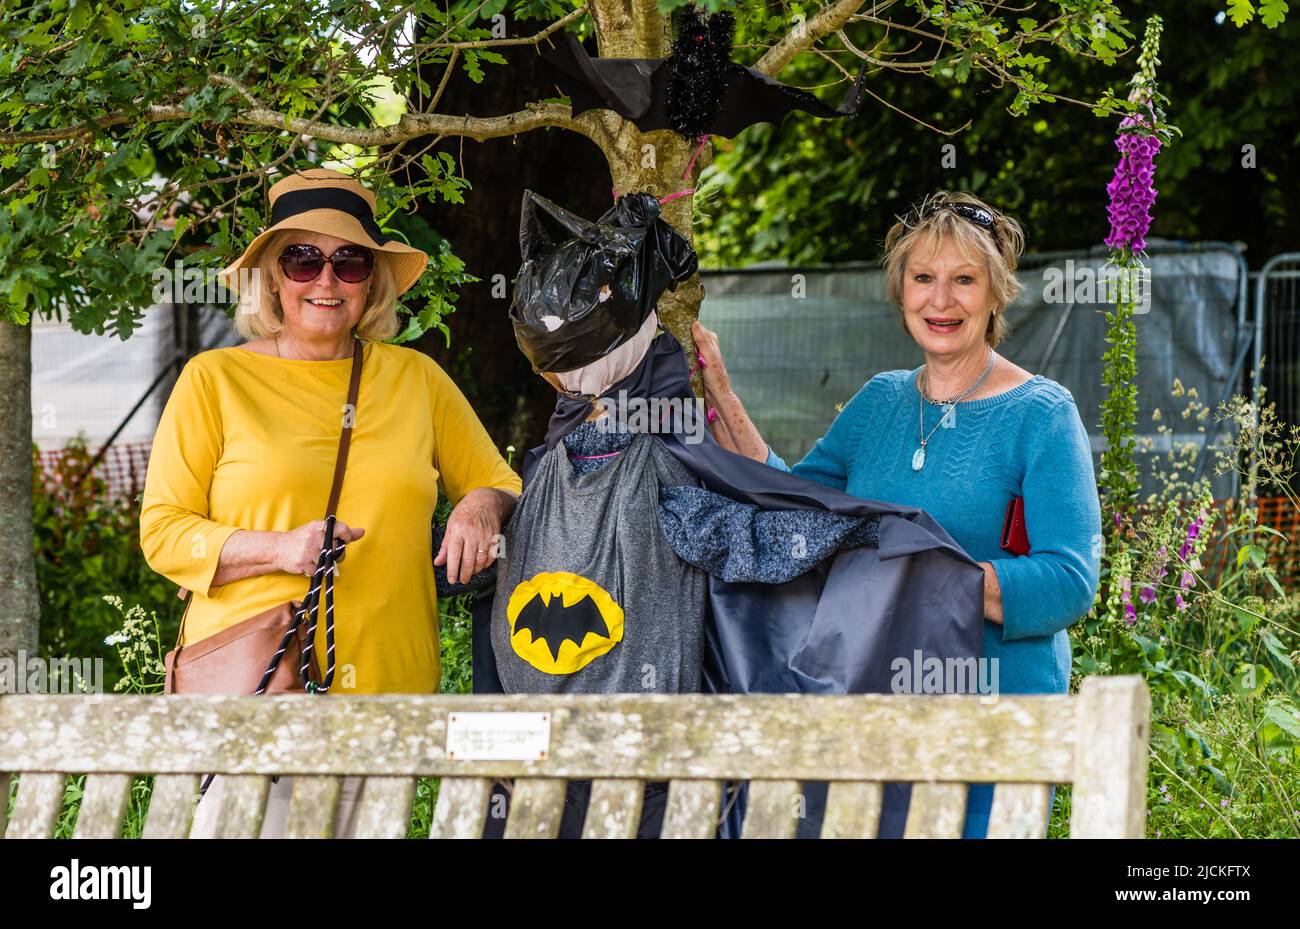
column 1096, row 741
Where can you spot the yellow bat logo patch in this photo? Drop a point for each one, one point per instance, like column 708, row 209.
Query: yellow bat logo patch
column 561, row 622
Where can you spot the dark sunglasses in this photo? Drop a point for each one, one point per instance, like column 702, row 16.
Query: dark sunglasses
column 303, row 263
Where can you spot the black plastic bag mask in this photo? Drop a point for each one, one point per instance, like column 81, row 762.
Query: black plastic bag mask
column 586, row 288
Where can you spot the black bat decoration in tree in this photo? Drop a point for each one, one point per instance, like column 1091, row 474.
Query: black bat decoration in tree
column 697, row 91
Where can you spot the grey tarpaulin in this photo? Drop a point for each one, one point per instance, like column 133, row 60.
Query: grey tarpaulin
column 799, row 340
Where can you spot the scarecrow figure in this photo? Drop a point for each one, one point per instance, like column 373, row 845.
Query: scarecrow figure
column 645, row 558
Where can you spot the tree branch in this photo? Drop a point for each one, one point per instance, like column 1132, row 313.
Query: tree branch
column 804, row 36
column 411, row 125
column 523, row 40
column 652, row 29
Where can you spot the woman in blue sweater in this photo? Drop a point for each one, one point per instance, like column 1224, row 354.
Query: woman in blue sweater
column 960, row 437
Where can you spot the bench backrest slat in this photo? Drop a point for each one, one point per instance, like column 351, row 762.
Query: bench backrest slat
column 37, row 806
column 243, row 804
column 385, row 810
column 313, row 808
column 462, row 808
column 936, row 811
column 614, row 810
column 1020, row 811
column 773, row 810
column 536, row 806
column 693, row 807
column 818, row 738
column 103, row 806
column 171, row 806
column 852, row 810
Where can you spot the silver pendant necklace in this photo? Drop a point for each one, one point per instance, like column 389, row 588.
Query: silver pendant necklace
column 918, row 456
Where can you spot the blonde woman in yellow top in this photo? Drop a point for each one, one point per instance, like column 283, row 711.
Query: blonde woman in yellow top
column 240, row 470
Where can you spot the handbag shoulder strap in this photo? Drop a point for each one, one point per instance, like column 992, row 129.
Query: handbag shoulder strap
column 340, row 462
column 345, row 440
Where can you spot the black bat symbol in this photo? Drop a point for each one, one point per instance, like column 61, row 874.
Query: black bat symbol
column 555, row 622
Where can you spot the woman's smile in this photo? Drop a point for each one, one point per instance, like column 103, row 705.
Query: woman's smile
column 942, row 323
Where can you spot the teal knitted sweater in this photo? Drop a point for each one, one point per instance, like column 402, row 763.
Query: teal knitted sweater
column 1028, row 441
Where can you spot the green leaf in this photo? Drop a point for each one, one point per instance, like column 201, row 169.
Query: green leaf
column 18, row 294
column 1187, row 677
column 1283, row 717
column 111, row 23
column 1275, row 647
column 1028, row 61
column 1248, row 619
column 962, row 68
column 1242, row 554
column 1272, row 12
column 1240, row 12
column 472, row 67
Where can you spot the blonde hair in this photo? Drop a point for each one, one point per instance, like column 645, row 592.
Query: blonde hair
column 378, row 320
column 929, row 223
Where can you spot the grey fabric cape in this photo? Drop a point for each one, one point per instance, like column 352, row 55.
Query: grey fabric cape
column 838, row 628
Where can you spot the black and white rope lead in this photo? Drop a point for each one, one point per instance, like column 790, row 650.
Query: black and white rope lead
column 323, row 577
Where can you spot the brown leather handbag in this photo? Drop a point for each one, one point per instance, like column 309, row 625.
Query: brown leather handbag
column 272, row 652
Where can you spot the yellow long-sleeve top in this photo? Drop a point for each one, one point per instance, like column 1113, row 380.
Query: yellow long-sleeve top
column 248, row 441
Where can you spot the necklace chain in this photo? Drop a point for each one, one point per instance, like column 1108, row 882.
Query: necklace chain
column 348, row 355
column 924, row 382
column 918, row 457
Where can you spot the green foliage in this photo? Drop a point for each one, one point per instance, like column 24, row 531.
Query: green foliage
column 93, row 212
column 126, row 152
column 1118, row 480
column 1215, row 633
column 823, row 191
column 1271, row 12
column 140, row 649
column 85, row 544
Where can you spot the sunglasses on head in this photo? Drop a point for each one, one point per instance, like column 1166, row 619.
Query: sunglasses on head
column 352, row 263
column 971, row 213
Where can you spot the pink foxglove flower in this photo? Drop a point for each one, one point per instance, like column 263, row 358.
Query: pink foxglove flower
column 1131, row 191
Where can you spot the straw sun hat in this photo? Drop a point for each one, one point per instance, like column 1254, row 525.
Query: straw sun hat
column 331, row 203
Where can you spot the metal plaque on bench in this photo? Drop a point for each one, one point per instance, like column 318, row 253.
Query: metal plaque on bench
column 498, row 736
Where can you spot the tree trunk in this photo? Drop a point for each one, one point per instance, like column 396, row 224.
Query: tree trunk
column 656, row 162
column 565, row 167
column 20, row 608
column 512, row 402
column 653, row 162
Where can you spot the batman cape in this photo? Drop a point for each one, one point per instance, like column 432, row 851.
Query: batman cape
column 840, row 627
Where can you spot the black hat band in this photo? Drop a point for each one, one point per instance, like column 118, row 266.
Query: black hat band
column 328, row 198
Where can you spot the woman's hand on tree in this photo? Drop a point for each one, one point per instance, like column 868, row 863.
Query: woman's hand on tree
column 731, row 425
column 713, row 373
